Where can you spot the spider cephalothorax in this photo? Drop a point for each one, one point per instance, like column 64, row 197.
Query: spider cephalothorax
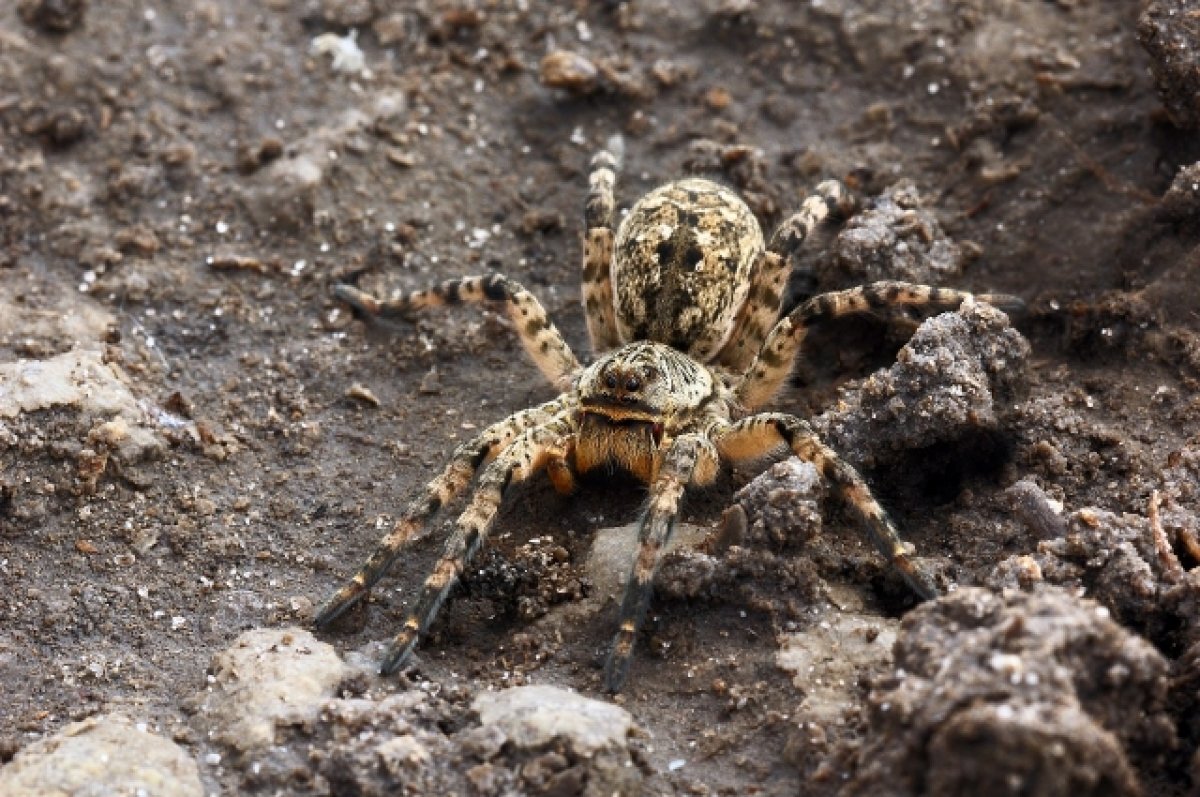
column 682, row 306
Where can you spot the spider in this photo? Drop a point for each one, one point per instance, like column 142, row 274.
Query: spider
column 682, row 304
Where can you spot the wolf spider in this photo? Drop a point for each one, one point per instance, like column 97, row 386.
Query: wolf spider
column 682, row 305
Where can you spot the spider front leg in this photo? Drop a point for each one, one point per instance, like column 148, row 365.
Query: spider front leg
column 778, row 354
column 752, row 437
column 439, row 492
column 598, row 247
column 528, row 453
column 691, row 459
column 537, row 332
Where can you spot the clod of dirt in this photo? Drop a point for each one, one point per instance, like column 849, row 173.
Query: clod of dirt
column 52, row 16
column 580, row 76
column 1039, row 694
column 783, row 503
column 60, row 126
column 1170, row 32
column 894, row 238
column 1182, row 200
column 570, row 745
column 106, row 754
column 564, row 69
column 1108, row 555
column 372, row 747
column 269, row 678
column 741, row 564
column 1125, row 562
column 284, row 194
column 954, row 378
column 28, row 329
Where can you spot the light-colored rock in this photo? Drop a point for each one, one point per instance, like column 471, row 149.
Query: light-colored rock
column 267, row 679
column 614, row 551
column 592, row 733
column 81, row 380
column 80, row 322
column 826, row 660
column 534, row 716
column 105, row 755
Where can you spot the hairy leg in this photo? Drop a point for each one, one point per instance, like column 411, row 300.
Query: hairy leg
column 528, row 453
column 691, row 459
column 413, row 523
column 538, row 334
column 778, row 355
column 598, row 247
column 751, row 438
column 769, row 276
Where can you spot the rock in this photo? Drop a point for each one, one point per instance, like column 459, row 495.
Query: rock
column 269, row 678
column 1170, row 32
column 348, row 13
column 895, row 238
column 1182, row 200
column 80, row 380
column 532, row 717
column 107, row 754
column 33, row 330
column 285, row 194
column 614, row 551
column 1039, row 694
column 952, row 380
column 828, row 660
column 564, row 740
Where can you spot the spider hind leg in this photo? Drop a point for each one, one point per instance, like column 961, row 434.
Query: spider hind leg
column 598, row 247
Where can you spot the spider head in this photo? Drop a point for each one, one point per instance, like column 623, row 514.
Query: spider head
column 630, row 399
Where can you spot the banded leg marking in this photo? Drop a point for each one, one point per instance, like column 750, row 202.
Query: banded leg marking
column 537, row 332
column 778, row 355
column 413, row 524
column 830, row 200
column 760, row 311
column 690, row 458
column 759, row 434
column 770, row 273
column 528, row 454
column 598, row 248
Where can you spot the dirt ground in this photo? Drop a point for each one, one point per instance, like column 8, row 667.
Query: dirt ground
column 181, row 185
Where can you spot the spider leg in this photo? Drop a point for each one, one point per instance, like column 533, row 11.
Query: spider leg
column 527, row 454
column 769, row 274
column 831, row 200
column 598, row 247
column 691, row 459
column 778, row 354
column 757, row 435
column 537, row 332
column 413, row 523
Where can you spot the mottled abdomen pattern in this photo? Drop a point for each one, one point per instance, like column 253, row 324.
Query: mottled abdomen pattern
column 682, row 265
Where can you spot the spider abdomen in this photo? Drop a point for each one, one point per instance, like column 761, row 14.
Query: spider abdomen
column 681, row 267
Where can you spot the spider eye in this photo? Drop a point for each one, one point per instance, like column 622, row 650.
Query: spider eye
column 610, row 381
